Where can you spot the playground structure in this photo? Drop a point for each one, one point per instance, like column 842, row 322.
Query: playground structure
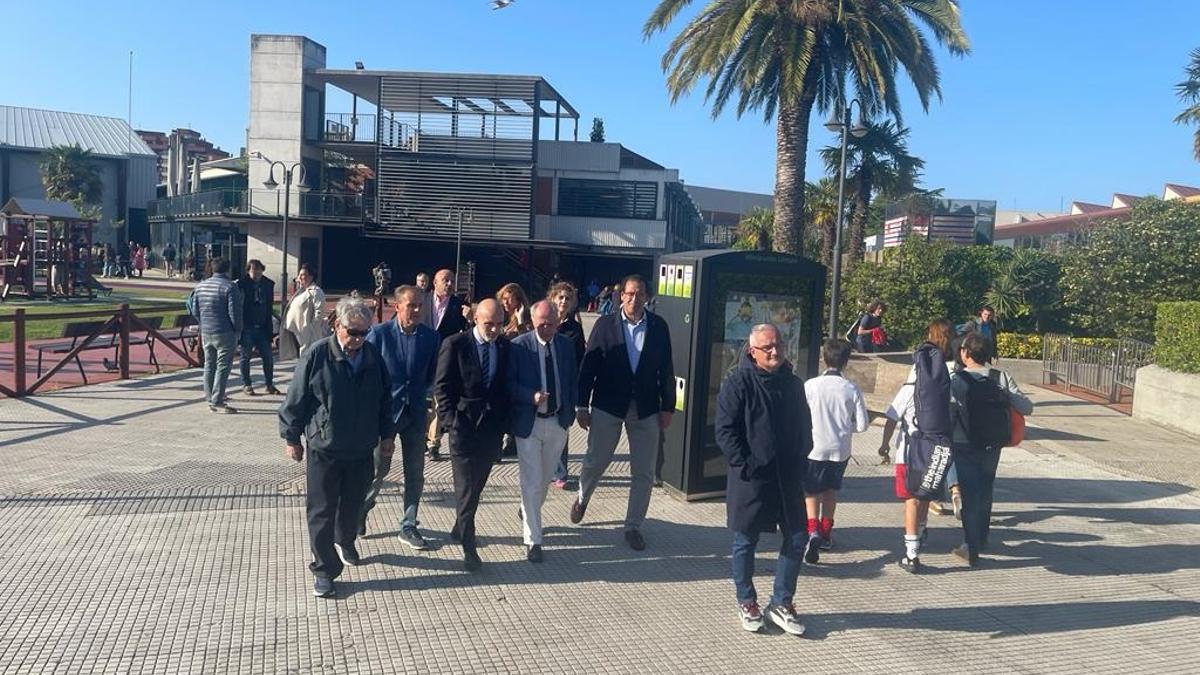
column 45, row 251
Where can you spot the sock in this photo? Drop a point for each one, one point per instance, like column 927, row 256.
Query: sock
column 912, row 545
column 826, row 527
column 813, row 527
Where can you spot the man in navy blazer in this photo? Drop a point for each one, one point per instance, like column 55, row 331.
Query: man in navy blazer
column 442, row 311
column 542, row 386
column 627, row 378
column 473, row 402
column 409, row 349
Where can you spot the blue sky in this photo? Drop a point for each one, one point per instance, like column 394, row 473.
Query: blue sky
column 1062, row 100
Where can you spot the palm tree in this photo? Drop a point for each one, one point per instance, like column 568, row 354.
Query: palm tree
column 876, row 163
column 1189, row 93
column 785, row 56
column 754, row 230
column 820, row 205
column 69, row 175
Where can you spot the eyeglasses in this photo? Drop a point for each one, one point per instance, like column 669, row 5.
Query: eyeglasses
column 356, row 332
column 766, row 348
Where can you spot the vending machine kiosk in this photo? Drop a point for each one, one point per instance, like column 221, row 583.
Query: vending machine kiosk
column 711, row 300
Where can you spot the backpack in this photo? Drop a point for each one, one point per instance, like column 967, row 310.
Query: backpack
column 851, row 334
column 928, row 455
column 989, row 412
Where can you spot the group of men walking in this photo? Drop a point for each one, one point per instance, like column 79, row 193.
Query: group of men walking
column 358, row 391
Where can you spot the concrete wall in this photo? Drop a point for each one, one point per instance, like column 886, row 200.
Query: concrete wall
column 880, row 375
column 1168, row 399
column 277, row 65
column 608, row 232
column 263, row 243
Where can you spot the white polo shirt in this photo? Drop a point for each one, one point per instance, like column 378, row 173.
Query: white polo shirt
column 838, row 412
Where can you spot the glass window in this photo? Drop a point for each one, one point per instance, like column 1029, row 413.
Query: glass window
column 607, row 198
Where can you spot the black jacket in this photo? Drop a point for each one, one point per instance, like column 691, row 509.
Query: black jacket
column 257, row 301
column 573, row 331
column 465, row 405
column 606, row 380
column 340, row 412
column 764, row 429
column 453, row 321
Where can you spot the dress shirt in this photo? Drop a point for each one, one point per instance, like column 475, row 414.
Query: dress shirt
column 408, row 345
column 354, row 359
column 480, row 345
column 635, row 338
column 439, row 309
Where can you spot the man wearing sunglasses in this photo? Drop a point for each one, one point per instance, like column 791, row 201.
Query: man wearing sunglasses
column 340, row 400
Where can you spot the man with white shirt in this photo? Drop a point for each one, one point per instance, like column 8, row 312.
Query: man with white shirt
column 838, row 412
column 442, row 311
column 542, row 384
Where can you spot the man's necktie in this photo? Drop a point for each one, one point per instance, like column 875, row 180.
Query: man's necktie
column 485, row 362
column 551, row 383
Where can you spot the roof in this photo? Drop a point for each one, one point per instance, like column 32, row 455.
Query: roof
column 1127, row 200
column 1059, row 224
column 34, row 129
column 41, row 207
column 1089, row 207
column 1181, row 190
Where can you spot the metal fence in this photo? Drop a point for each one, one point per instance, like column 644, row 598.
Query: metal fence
column 1104, row 370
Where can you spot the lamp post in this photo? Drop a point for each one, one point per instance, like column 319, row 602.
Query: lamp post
column 840, row 121
column 459, row 211
column 295, row 170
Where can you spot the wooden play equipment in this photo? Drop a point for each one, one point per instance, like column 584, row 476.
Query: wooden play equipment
column 45, row 251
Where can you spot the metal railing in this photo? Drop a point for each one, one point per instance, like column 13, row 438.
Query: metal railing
column 1109, row 371
column 332, row 205
column 348, row 128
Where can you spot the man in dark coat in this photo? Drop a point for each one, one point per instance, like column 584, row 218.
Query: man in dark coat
column 258, row 297
column 472, row 398
column 442, row 311
column 764, row 429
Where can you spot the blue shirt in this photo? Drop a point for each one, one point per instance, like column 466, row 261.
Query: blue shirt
column 635, row 339
column 480, row 345
column 355, row 359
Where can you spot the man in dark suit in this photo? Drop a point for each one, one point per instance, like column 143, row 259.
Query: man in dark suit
column 627, row 378
column 542, row 382
column 472, row 399
column 442, row 311
column 409, row 349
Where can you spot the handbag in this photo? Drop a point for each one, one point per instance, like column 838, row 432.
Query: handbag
column 1016, row 422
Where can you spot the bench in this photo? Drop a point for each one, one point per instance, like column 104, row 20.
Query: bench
column 189, row 331
column 75, row 333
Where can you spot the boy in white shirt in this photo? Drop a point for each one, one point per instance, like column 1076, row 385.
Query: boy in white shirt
column 838, row 412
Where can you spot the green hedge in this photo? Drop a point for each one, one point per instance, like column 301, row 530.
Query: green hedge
column 1177, row 336
column 1029, row 345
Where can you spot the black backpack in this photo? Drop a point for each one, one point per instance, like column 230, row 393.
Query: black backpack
column 928, row 455
column 989, row 412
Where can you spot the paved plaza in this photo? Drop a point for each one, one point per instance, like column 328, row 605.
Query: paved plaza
column 142, row 534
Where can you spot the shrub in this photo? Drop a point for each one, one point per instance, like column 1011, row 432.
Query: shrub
column 1177, row 336
column 1029, row 345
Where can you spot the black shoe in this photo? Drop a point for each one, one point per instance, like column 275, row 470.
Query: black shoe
column 433, row 454
column 635, row 540
column 454, row 537
column 812, row 549
column 827, row 542
column 271, row 390
column 911, row 565
column 471, row 561
column 323, row 588
column 348, row 554
column 411, row 537
column 362, row 526
column 534, row 554
column 578, row 508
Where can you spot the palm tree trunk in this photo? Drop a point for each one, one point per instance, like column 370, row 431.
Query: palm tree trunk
column 791, row 148
column 858, row 221
column 828, row 232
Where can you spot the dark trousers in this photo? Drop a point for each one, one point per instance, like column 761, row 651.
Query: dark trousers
column 412, row 454
column 976, row 480
column 257, row 337
column 336, row 488
column 471, row 458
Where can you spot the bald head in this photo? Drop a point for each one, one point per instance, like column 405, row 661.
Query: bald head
column 545, row 320
column 443, row 283
column 489, row 317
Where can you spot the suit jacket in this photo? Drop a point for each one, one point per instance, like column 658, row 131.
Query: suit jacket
column 465, row 406
column 409, row 387
column 606, row 380
column 452, row 322
column 525, row 378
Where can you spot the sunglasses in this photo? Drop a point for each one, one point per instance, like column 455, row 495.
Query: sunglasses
column 356, row 332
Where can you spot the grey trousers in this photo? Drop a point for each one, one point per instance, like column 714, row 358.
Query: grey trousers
column 603, row 436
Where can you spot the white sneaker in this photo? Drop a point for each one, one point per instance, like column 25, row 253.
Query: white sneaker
column 785, row 617
column 751, row 616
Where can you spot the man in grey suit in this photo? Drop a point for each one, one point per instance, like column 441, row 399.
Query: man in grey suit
column 542, row 385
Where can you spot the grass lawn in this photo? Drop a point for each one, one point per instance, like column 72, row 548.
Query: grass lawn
column 40, row 328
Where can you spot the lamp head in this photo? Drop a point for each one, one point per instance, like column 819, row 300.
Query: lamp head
column 860, row 129
column 835, row 123
column 270, row 182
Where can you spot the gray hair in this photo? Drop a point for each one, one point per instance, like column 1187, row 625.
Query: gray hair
column 764, row 327
column 352, row 310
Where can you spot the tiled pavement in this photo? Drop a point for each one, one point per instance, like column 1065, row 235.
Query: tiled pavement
column 142, row 534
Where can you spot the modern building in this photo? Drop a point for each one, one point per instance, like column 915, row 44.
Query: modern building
column 958, row 221
column 721, row 210
column 125, row 165
column 193, row 144
column 403, row 166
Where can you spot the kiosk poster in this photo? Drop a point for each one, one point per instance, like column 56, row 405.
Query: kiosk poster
column 662, row 280
column 670, row 289
column 689, row 273
column 679, row 281
column 743, row 311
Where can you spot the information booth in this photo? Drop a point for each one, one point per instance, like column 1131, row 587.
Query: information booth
column 711, row 300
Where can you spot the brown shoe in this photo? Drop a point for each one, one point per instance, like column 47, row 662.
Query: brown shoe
column 578, row 508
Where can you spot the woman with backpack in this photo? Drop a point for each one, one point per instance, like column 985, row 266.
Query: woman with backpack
column 982, row 401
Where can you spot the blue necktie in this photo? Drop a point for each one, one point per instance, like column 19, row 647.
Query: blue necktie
column 485, row 362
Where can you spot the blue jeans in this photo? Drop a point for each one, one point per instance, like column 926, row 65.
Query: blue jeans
column 411, row 439
column 787, row 569
column 257, row 337
column 218, row 359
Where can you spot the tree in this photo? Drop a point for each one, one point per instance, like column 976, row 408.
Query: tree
column 877, row 163
column 1189, row 93
column 69, row 174
column 754, row 230
column 1114, row 279
column 821, row 203
column 787, row 57
column 597, row 130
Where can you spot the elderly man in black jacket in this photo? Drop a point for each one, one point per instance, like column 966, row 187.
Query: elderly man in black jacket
column 764, row 429
column 340, row 399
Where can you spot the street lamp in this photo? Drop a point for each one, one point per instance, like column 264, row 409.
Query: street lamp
column 840, row 121
column 297, row 170
column 460, row 212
